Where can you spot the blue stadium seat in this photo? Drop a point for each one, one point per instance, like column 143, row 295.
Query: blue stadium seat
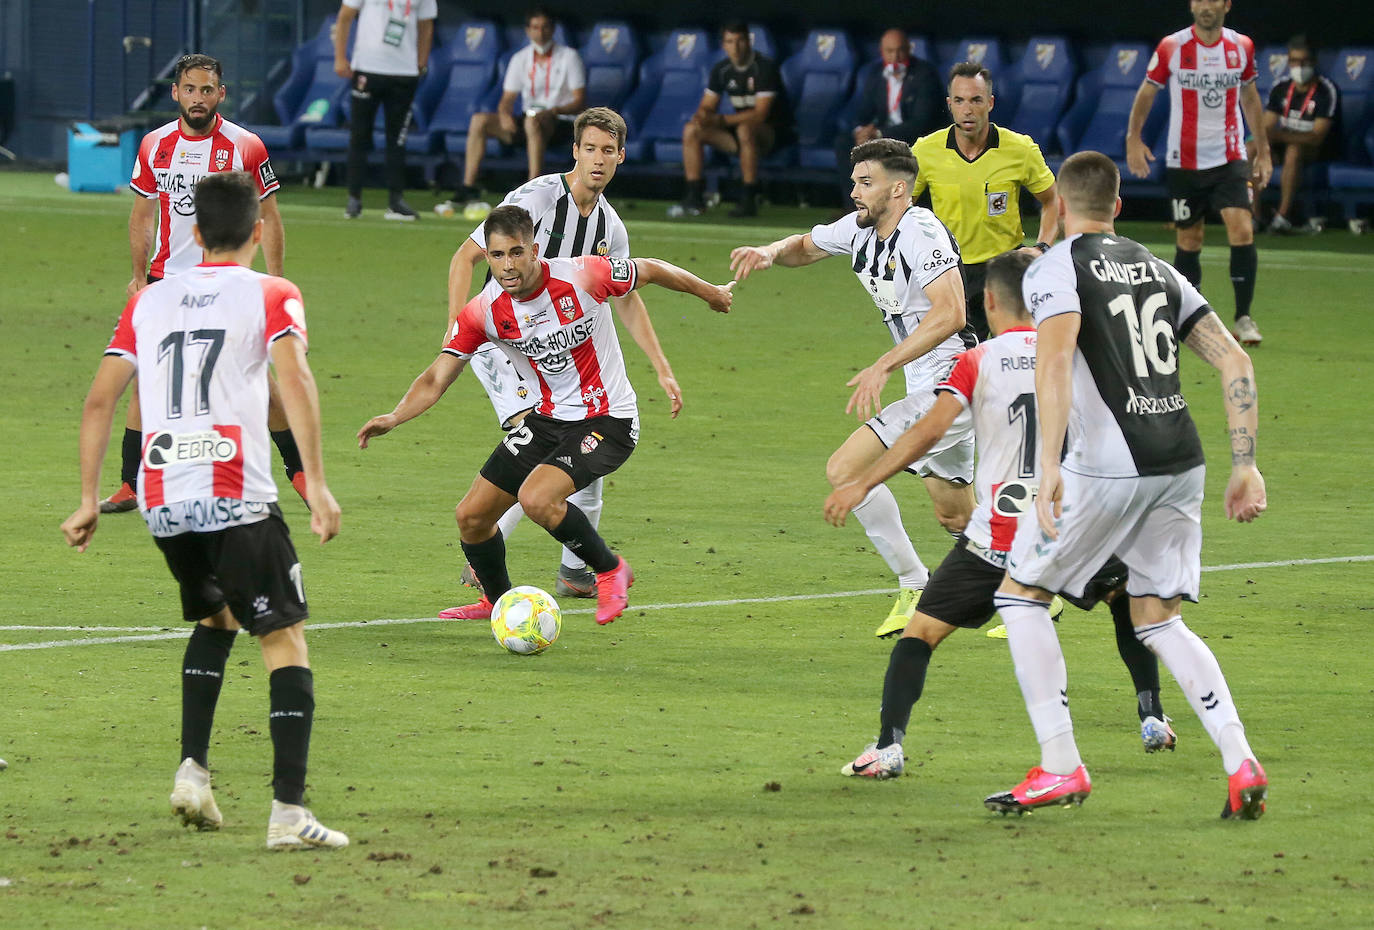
column 1271, row 66
column 1045, row 75
column 611, row 57
column 986, row 51
column 670, row 87
column 761, row 40
column 818, row 79
column 1102, row 106
column 1351, row 179
column 312, row 95
column 469, row 72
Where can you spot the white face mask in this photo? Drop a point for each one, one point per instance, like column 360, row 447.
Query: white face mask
column 542, row 48
column 1302, row 74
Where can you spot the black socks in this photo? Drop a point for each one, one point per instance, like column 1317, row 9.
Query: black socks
column 292, row 711
column 906, row 678
column 202, row 676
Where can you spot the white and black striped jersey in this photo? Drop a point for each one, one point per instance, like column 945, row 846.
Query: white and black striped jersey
column 895, row 273
column 560, row 230
column 1128, row 417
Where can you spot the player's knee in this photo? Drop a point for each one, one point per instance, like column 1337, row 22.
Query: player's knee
column 691, row 132
column 1189, row 238
column 472, row 521
column 541, row 508
column 838, row 471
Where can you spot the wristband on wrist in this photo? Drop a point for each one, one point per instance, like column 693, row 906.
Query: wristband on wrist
column 1042, row 246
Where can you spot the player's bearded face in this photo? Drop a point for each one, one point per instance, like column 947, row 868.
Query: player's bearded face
column 198, row 95
column 870, row 194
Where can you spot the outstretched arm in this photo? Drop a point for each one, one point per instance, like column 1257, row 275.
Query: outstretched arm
column 424, row 393
column 666, row 274
column 1245, row 494
column 944, row 318
column 301, row 399
column 919, row 439
column 635, row 316
column 111, row 378
column 792, row 252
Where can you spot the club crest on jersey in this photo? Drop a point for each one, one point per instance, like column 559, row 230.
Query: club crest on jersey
column 522, row 392
column 567, row 308
column 166, row 449
column 221, row 159
column 603, row 248
column 997, row 203
column 1232, row 58
column 590, row 442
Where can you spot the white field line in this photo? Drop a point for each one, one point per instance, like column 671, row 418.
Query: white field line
column 154, row 633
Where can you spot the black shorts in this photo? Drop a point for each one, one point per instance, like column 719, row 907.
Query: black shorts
column 585, row 449
column 252, row 569
column 1192, row 194
column 960, row 592
column 961, row 589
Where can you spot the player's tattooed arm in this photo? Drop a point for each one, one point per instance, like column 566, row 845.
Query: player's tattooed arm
column 1240, row 393
column 1210, row 340
column 1242, row 446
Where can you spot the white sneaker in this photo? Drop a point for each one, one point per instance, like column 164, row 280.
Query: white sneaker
column 292, row 827
column 877, row 763
column 1246, row 332
column 192, row 799
column 1280, row 225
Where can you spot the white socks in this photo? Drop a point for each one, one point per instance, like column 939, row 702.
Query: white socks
column 882, row 521
column 1196, row 670
column 1044, row 680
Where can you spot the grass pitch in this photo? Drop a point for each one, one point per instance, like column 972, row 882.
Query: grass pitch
column 679, row 767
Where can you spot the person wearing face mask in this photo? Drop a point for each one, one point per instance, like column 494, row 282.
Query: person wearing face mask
column 390, row 53
column 900, row 98
column 551, row 82
column 1298, row 120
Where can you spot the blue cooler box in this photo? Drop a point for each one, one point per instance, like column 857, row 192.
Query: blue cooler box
column 99, row 161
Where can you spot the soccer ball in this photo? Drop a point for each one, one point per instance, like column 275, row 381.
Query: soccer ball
column 526, row 620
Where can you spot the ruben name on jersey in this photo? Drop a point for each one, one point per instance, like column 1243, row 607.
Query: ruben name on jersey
column 200, row 342
column 1129, row 417
column 995, row 385
column 169, row 164
column 1204, row 82
column 561, row 338
column 895, row 273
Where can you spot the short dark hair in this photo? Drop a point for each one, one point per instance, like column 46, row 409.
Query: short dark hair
column 1090, row 183
column 539, row 11
column 187, row 62
column 1301, row 41
column 509, row 220
column 970, row 69
column 603, row 118
column 1003, row 277
column 226, row 209
column 893, row 154
column 737, row 27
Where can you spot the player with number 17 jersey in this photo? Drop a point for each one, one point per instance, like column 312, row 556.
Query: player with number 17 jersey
column 1129, row 417
column 201, row 343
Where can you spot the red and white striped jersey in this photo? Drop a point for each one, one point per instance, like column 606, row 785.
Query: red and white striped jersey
column 168, row 166
column 1204, row 82
column 200, row 342
column 995, row 383
column 561, row 338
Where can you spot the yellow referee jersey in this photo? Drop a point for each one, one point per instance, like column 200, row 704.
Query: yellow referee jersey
column 979, row 200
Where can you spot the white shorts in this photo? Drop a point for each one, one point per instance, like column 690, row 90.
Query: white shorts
column 510, row 394
column 951, row 458
column 1152, row 524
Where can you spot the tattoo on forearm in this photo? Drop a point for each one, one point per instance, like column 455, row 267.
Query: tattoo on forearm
column 1242, row 446
column 1240, row 394
column 1208, row 340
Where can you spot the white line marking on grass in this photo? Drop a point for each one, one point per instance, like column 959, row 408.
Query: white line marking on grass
column 405, row 621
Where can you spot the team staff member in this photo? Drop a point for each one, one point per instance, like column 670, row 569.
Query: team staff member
column 171, row 160
column 975, row 170
column 1210, row 73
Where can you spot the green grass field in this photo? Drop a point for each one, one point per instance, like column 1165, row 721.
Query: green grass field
column 679, row 767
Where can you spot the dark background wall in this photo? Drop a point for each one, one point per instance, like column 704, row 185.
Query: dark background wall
column 59, row 74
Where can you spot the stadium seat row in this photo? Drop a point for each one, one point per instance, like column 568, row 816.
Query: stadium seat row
column 1067, row 99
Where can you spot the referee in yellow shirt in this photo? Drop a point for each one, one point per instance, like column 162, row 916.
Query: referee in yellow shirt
column 975, row 170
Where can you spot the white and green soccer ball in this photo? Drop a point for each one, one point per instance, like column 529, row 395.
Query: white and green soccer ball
column 526, row 620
